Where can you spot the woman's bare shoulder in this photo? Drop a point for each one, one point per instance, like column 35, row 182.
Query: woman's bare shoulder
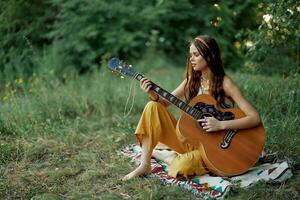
column 228, row 82
column 230, row 87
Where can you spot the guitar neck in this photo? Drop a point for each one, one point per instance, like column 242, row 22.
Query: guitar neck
column 194, row 113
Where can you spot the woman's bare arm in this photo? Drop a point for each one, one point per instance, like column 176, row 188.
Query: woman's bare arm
column 252, row 117
column 178, row 92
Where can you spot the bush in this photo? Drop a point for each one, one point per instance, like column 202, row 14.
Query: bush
column 274, row 46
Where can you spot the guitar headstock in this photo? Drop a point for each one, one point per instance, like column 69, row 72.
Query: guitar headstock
column 117, row 65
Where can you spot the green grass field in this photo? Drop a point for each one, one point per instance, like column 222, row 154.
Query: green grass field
column 60, row 138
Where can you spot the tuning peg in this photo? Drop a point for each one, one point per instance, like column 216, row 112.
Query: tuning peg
column 115, row 73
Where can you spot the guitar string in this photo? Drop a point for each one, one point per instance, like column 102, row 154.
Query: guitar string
column 131, row 94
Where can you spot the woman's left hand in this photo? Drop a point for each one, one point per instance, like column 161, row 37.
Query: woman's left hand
column 211, row 124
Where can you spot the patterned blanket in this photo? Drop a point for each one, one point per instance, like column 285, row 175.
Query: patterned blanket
column 208, row 186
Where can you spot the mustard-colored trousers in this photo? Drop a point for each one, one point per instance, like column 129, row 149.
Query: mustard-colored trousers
column 160, row 126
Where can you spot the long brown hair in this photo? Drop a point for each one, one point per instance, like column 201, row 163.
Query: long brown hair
column 210, row 51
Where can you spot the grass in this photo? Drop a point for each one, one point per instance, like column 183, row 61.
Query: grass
column 61, row 140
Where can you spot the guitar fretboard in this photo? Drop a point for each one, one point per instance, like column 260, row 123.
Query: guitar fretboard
column 172, row 99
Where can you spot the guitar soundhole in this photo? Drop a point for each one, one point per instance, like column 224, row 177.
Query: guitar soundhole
column 210, row 111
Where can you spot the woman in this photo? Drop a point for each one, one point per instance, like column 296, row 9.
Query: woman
column 205, row 75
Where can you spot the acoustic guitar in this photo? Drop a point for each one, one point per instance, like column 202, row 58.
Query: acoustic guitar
column 226, row 152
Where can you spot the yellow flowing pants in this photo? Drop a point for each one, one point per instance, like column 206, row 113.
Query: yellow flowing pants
column 159, row 125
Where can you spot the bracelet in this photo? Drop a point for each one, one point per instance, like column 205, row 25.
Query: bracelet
column 155, row 99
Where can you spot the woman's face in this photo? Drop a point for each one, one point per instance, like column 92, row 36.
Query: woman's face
column 197, row 61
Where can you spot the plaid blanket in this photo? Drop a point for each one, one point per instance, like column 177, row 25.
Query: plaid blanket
column 208, row 186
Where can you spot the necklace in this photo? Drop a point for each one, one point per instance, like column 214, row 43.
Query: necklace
column 204, row 84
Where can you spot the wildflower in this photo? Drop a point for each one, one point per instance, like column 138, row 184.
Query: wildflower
column 250, row 65
column 219, row 19
column 290, row 11
column 267, row 18
column 214, row 23
column 217, row 6
column 249, row 43
column 237, row 44
column 19, row 81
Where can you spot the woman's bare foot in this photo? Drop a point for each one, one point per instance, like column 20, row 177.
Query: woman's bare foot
column 139, row 171
column 164, row 155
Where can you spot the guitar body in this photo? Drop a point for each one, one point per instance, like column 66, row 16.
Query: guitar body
column 226, row 153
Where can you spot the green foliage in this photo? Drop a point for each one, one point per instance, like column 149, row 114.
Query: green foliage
column 274, row 46
column 86, row 32
column 23, row 24
column 100, row 28
column 93, row 30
